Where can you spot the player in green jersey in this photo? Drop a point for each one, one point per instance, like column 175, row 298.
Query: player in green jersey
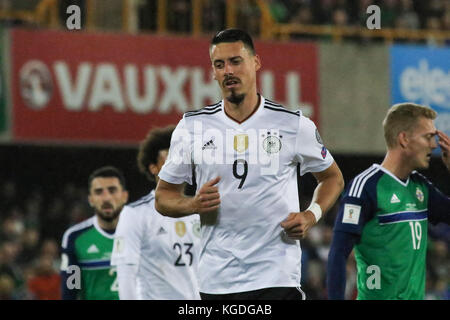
column 86, row 271
column 385, row 210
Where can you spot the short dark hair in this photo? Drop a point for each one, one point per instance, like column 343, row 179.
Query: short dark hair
column 156, row 140
column 234, row 35
column 107, row 172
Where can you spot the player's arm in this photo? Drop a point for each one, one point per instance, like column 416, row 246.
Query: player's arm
column 70, row 271
column 438, row 204
column 330, row 185
column 353, row 214
column 444, row 143
column 177, row 170
column 171, row 201
column 126, row 277
column 341, row 247
column 127, row 251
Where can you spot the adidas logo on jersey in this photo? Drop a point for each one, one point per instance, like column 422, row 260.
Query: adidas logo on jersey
column 93, row 249
column 209, row 145
column 161, row 231
column 395, row 199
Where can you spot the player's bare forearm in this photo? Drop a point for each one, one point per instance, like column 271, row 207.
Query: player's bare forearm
column 330, row 185
column 170, row 201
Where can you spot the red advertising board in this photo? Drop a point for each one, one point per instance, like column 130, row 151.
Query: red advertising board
column 84, row 87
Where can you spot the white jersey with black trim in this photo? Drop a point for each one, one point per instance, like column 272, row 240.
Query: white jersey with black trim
column 164, row 249
column 243, row 246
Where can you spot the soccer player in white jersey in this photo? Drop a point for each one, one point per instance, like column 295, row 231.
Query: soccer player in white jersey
column 244, row 152
column 156, row 256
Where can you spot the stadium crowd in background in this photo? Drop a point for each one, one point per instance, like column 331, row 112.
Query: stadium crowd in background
column 402, row 14
column 405, row 14
column 31, row 226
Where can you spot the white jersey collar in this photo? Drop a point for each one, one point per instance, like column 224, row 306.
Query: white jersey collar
column 246, row 122
column 392, row 175
column 100, row 230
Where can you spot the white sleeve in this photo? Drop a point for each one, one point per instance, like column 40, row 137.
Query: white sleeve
column 310, row 151
column 126, row 275
column 178, row 166
column 128, row 237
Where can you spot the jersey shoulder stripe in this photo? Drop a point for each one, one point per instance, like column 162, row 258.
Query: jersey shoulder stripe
column 210, row 109
column 204, row 112
column 142, row 201
column 278, row 107
column 86, row 224
column 273, row 103
column 360, row 180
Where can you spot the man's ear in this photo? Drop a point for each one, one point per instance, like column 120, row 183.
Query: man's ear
column 257, row 62
column 153, row 169
column 403, row 139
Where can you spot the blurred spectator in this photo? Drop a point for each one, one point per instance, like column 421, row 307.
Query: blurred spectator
column 248, row 17
column 30, row 247
column 6, row 287
column 46, row 282
column 446, row 20
column 5, row 4
column 33, row 209
column 9, row 268
column 77, row 213
column 278, row 10
column 56, row 218
column 179, row 15
column 350, row 286
column 361, row 12
column 8, row 195
column 13, row 226
column 147, row 13
column 340, row 17
column 323, row 11
column 433, row 23
column 389, row 12
column 50, row 248
column 438, row 273
column 435, row 8
column 303, row 15
column 213, row 15
column 315, row 250
column 407, row 18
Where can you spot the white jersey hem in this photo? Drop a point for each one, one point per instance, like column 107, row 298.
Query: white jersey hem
column 250, row 287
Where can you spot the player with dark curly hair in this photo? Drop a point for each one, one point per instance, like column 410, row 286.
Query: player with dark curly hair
column 156, row 256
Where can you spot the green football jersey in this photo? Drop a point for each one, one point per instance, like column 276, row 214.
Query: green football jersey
column 88, row 247
column 391, row 217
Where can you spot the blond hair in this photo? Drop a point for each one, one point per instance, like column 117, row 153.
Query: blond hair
column 403, row 117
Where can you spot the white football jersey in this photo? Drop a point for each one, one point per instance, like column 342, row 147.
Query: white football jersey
column 164, row 249
column 243, row 246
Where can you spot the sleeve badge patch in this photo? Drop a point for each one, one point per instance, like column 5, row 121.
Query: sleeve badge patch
column 351, row 213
